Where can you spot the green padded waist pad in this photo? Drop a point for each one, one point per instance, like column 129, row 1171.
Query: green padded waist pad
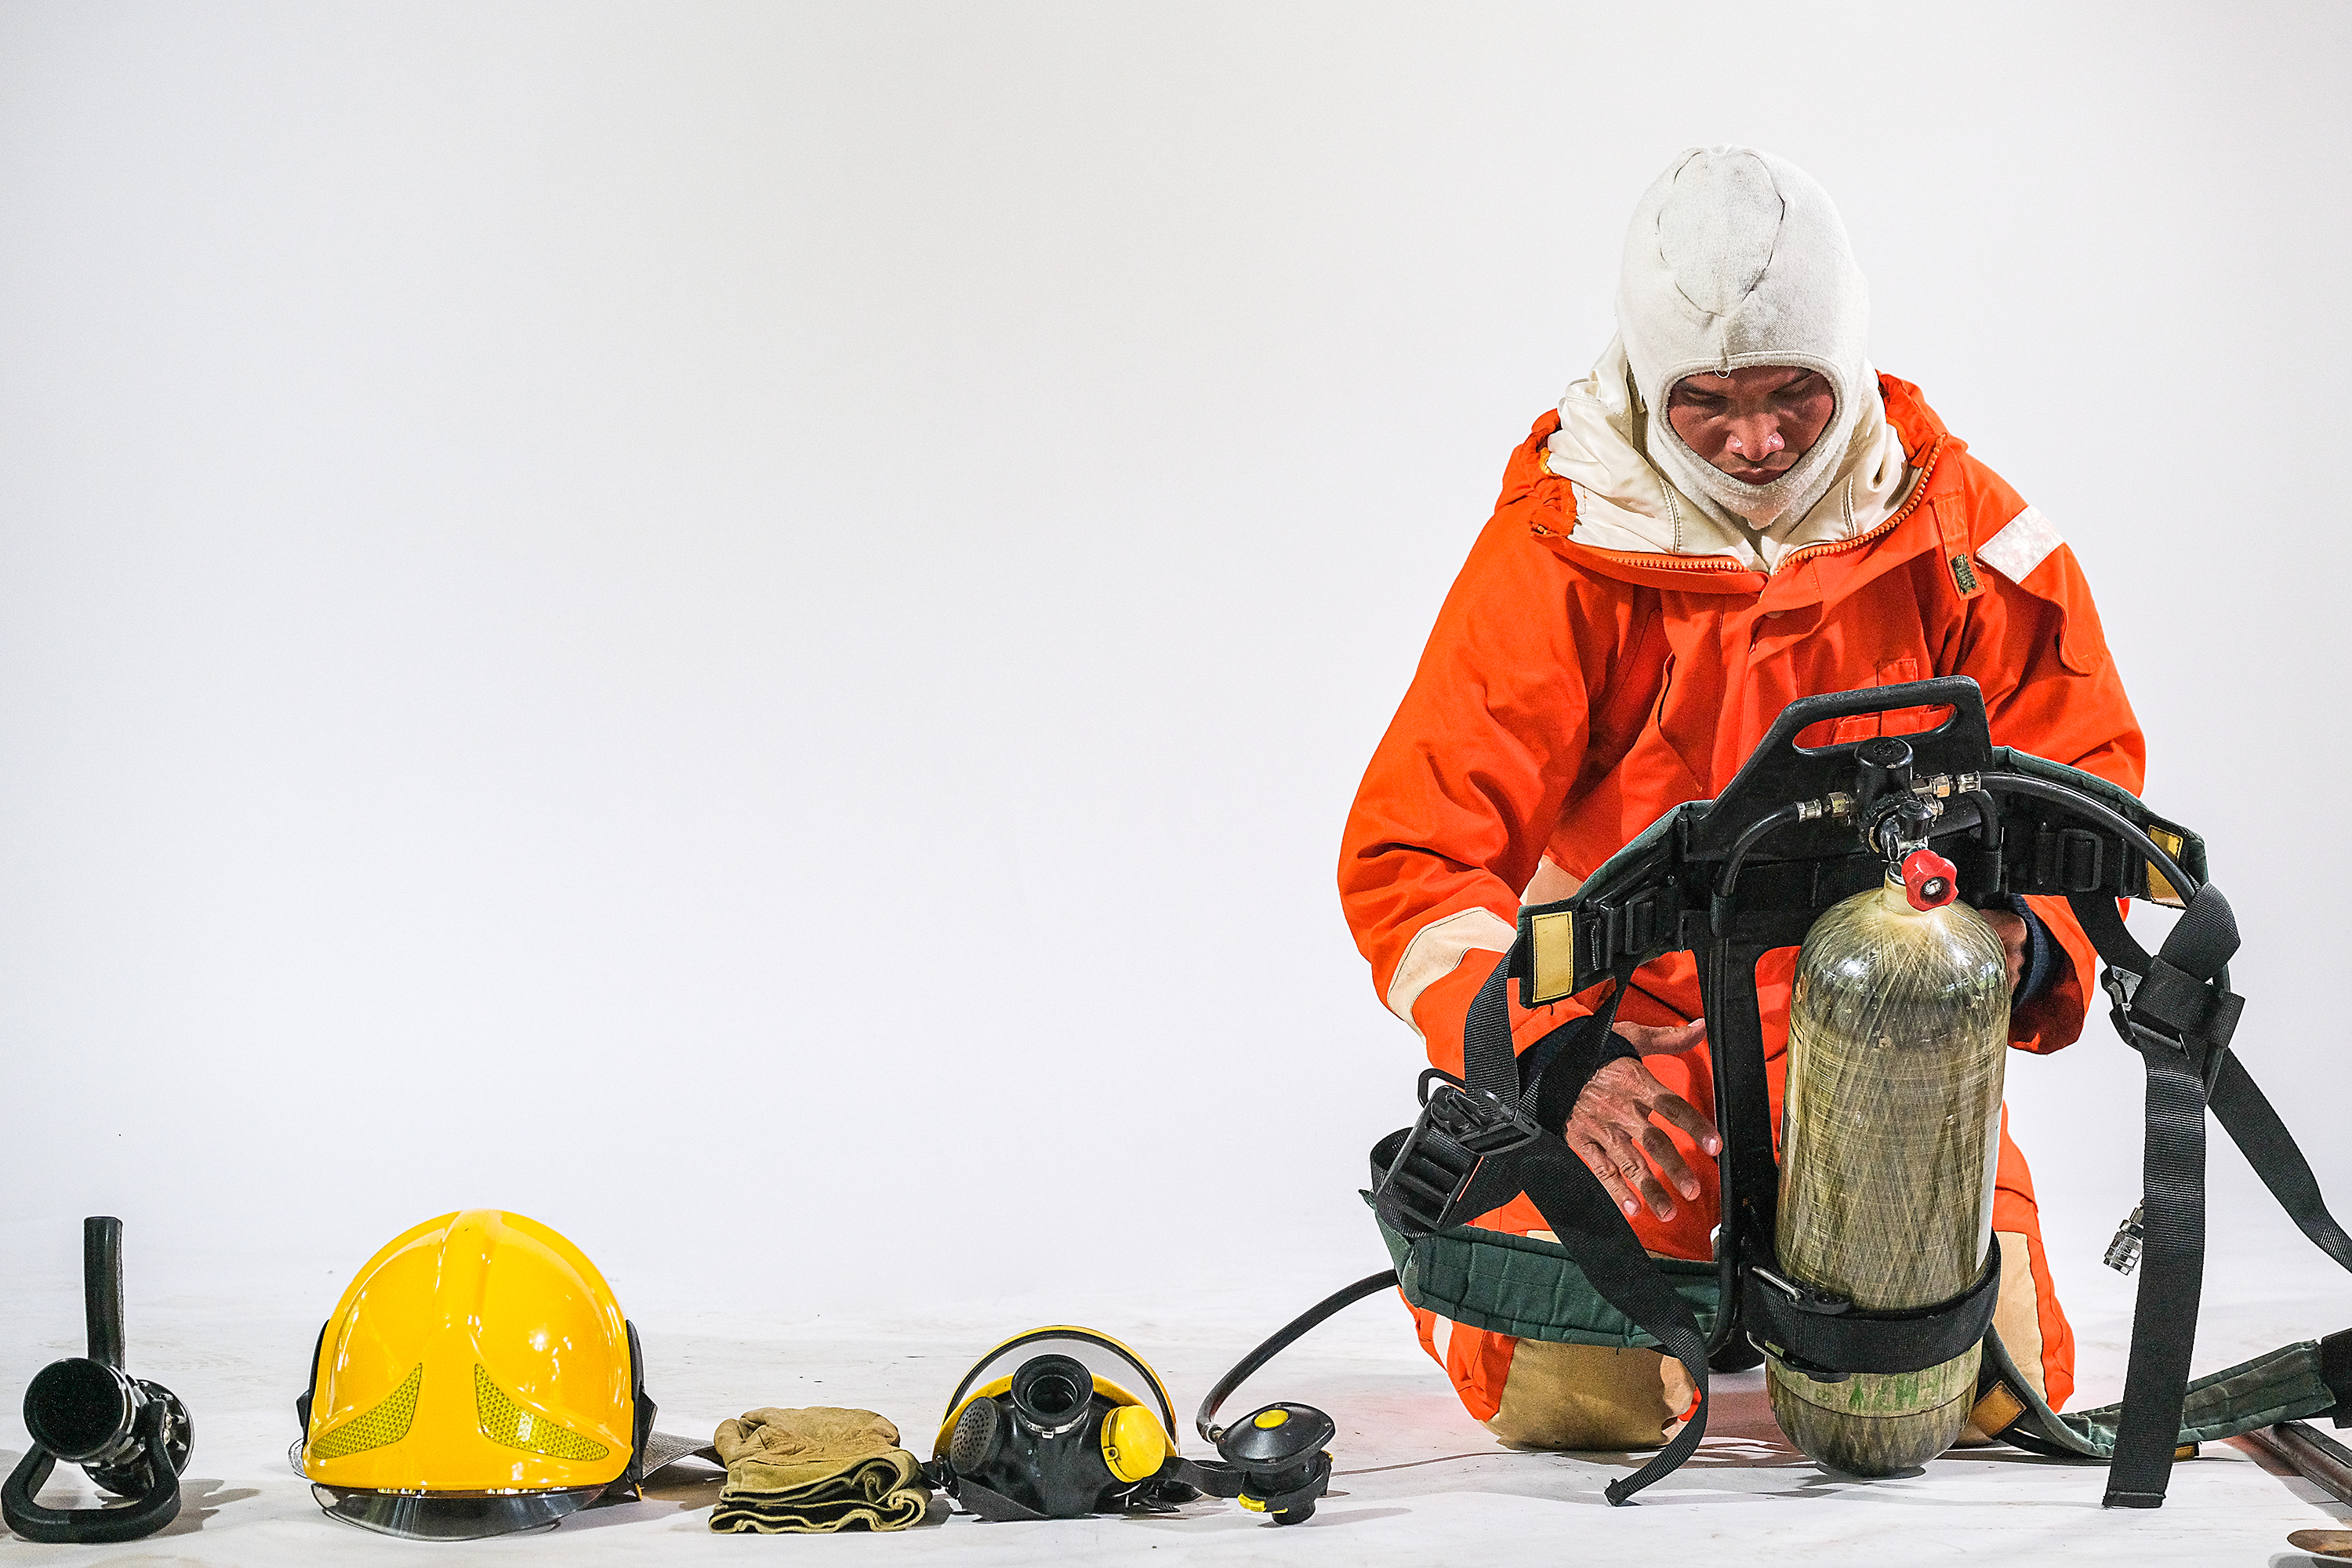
column 2283, row 1385
column 1530, row 1289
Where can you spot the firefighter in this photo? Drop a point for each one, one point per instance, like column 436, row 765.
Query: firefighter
column 1734, row 510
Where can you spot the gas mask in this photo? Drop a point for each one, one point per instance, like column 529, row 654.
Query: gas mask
column 1060, row 1422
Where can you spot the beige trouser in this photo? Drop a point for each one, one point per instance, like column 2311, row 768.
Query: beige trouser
column 1594, row 1397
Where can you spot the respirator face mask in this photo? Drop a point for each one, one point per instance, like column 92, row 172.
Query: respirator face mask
column 1060, row 1422
column 1055, row 1423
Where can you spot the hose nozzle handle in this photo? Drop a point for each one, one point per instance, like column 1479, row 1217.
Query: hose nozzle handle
column 101, row 1287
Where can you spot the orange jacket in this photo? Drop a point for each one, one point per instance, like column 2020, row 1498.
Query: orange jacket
column 1571, row 696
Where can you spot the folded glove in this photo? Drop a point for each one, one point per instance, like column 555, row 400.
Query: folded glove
column 814, row 1471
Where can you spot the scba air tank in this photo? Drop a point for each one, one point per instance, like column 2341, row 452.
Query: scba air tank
column 1890, row 1132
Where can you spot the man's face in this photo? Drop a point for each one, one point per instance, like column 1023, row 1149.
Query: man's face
column 1753, row 423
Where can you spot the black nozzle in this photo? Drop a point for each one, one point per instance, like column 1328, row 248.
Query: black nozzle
column 81, row 1410
column 101, row 1287
column 131, row 1437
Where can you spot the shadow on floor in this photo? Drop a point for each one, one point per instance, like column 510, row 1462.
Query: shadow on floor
column 684, row 1486
column 199, row 1500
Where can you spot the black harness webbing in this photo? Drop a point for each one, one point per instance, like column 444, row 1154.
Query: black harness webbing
column 1749, row 1167
column 2175, row 1008
column 1578, row 1211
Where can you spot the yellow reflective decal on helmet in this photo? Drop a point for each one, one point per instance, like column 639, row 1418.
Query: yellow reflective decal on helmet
column 504, row 1421
column 385, row 1425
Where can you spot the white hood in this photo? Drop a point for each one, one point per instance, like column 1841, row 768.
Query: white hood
column 1623, row 503
column 1734, row 258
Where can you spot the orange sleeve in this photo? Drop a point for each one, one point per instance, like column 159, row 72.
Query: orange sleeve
column 2050, row 687
column 1467, row 783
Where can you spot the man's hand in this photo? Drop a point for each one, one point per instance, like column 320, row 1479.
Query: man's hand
column 1614, row 1127
column 2012, row 933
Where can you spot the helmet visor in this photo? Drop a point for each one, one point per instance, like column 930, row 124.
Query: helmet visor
column 451, row 1516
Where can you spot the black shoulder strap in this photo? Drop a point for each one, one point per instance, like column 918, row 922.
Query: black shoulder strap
column 2175, row 1009
column 1579, row 1212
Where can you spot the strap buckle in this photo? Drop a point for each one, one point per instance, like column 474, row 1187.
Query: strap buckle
column 1815, row 1304
column 1458, row 1128
column 1479, row 1119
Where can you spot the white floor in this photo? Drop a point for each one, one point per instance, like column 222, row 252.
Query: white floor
column 1419, row 1482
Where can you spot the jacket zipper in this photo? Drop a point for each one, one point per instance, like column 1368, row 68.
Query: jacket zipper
column 1919, row 494
column 1726, row 564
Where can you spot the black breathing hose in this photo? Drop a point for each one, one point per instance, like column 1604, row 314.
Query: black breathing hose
column 1280, row 1340
column 1719, row 912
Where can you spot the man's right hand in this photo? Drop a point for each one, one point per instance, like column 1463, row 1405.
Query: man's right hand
column 1615, row 1127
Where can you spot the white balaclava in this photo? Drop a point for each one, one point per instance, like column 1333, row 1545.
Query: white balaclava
column 1737, row 257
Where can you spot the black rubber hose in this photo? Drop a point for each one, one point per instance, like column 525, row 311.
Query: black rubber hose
column 2105, row 815
column 1719, row 913
column 1988, row 816
column 1371, row 1284
column 101, row 1287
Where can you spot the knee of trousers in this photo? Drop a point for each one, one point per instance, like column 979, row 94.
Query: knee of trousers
column 1535, row 1394
column 1589, row 1396
column 2027, row 1315
column 2031, row 1324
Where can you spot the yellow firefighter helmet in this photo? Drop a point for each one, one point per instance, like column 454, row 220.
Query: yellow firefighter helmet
column 476, row 1378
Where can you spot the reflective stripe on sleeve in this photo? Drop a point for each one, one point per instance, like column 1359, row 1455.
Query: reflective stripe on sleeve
column 2023, row 545
column 1436, row 950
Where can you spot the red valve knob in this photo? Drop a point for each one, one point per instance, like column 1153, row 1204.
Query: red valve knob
column 1930, row 880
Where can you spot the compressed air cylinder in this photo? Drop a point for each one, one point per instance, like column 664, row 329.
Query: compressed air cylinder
column 1890, row 1132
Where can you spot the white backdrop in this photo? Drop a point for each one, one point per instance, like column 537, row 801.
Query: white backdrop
column 748, row 628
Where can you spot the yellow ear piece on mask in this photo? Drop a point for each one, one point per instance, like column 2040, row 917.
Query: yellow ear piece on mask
column 1133, row 1446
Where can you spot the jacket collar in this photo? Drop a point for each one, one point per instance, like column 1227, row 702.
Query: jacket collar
column 1810, row 570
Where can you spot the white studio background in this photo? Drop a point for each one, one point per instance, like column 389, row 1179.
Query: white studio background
column 748, row 628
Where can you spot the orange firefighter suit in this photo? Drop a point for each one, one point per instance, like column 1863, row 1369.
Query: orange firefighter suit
column 1571, row 695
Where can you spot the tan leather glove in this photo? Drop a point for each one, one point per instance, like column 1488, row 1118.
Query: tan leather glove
column 814, row 1471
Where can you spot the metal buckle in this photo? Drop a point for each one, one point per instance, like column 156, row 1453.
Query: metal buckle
column 1811, row 1301
column 1804, row 1298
